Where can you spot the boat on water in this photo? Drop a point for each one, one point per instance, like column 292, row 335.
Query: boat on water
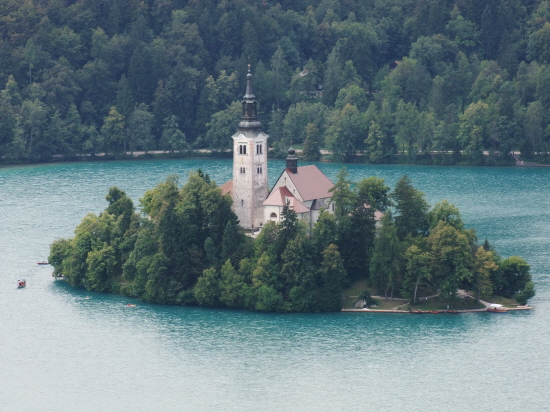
column 496, row 308
column 21, row 283
column 43, row 263
column 417, row 311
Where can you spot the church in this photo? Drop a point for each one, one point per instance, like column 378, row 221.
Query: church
column 305, row 189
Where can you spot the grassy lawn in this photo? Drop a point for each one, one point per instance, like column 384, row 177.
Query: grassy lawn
column 351, row 295
column 439, row 304
column 508, row 302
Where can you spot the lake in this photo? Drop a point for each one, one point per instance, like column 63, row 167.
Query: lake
column 64, row 349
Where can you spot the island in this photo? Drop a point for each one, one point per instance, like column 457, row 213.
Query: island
column 185, row 247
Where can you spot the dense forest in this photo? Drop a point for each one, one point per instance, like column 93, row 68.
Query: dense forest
column 438, row 81
column 186, row 248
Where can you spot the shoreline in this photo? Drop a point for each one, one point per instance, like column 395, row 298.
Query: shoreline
column 439, row 312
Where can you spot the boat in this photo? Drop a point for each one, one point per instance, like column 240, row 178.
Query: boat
column 496, row 308
column 417, row 311
column 21, row 283
column 435, row 311
column 43, row 263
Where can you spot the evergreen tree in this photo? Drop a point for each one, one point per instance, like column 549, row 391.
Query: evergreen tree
column 311, row 150
column 387, row 259
column 332, row 273
column 411, row 208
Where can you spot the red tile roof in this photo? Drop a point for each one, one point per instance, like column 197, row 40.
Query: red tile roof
column 227, row 188
column 311, row 183
column 279, row 196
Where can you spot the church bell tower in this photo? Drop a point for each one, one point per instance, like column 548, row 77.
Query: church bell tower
column 249, row 163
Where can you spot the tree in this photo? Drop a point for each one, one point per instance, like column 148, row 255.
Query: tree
column 446, row 212
column 298, row 118
column 113, row 132
column 333, row 80
column 289, row 228
column 139, row 129
column 533, row 126
column 208, row 290
column 60, row 85
column 387, row 258
column 407, row 120
column 311, row 150
column 120, row 205
column 32, row 121
column 101, row 263
column 374, row 141
column 221, row 126
column 235, row 292
column 266, row 285
column 473, row 131
column 451, row 259
column 232, row 238
column 372, row 192
column 342, row 196
column 411, row 208
column 125, row 101
column 280, row 76
column 417, row 271
column 297, row 264
column 539, row 44
column 512, row 276
column 525, row 294
column 484, row 264
column 345, row 133
column 172, row 137
column 332, row 273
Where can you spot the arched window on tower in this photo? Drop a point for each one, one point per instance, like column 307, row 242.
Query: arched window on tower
column 258, row 149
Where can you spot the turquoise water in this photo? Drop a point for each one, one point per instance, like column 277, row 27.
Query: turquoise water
column 63, row 349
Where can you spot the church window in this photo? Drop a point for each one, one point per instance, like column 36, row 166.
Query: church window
column 243, row 169
column 242, row 203
column 242, row 149
column 259, row 170
column 274, row 215
column 258, row 149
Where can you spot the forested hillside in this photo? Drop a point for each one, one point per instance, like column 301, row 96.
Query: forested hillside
column 381, row 77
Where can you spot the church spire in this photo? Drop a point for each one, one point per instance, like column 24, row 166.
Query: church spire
column 249, row 119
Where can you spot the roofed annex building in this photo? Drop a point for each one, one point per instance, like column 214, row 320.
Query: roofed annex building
column 304, row 189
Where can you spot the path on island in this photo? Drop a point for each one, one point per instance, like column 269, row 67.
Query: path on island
column 462, row 292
